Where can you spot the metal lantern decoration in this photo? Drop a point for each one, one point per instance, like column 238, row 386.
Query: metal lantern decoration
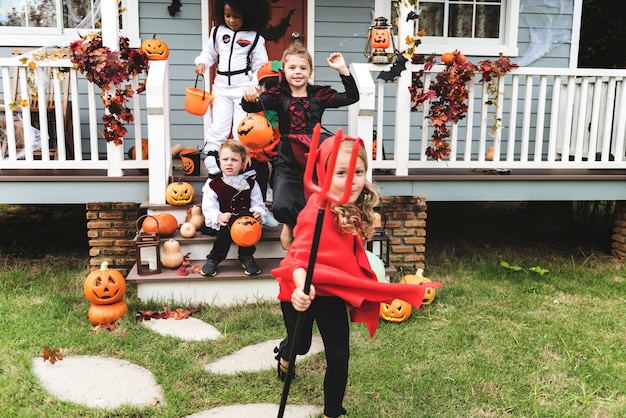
column 148, row 254
column 379, row 244
column 379, row 40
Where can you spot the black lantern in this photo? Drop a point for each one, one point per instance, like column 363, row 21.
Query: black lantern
column 148, row 254
column 379, row 40
column 379, row 245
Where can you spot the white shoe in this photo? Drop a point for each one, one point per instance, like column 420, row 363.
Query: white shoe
column 270, row 220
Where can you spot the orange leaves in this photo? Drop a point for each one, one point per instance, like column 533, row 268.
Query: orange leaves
column 167, row 312
column 108, row 70
column 51, row 354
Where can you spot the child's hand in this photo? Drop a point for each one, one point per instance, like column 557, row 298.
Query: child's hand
column 300, row 300
column 257, row 215
column 251, row 94
column 336, row 62
column 223, row 218
column 200, row 69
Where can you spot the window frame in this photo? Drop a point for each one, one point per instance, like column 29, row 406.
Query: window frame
column 38, row 37
column 506, row 43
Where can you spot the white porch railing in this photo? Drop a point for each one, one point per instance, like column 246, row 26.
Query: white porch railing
column 550, row 118
column 68, row 114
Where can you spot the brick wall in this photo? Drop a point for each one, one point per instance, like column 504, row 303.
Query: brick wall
column 619, row 230
column 111, row 229
column 406, row 225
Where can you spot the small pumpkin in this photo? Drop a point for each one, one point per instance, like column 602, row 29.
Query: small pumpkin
column 179, row 194
column 246, row 231
column 104, row 286
column 255, row 131
column 155, row 49
column 380, row 39
column 187, row 230
column 132, row 152
column 195, row 216
column 171, row 257
column 106, row 314
column 396, row 311
column 166, row 222
column 449, row 58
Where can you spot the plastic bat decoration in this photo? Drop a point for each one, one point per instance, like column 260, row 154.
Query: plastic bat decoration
column 412, row 16
column 174, row 7
column 395, row 70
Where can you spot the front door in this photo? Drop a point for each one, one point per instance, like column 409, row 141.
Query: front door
column 288, row 17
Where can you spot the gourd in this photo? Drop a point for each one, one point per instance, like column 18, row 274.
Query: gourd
column 106, row 314
column 166, row 222
column 104, row 286
column 171, row 256
column 187, row 230
column 246, row 231
column 255, row 131
column 397, row 311
column 179, row 194
column 195, row 216
column 155, row 49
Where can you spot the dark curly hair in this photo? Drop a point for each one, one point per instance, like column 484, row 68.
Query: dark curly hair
column 256, row 13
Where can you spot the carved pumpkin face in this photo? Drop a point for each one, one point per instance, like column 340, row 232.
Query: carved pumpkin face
column 179, row 194
column 380, row 39
column 246, row 231
column 104, row 286
column 255, row 131
column 155, row 49
column 397, row 311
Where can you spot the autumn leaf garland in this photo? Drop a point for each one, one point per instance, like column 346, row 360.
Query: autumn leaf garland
column 109, row 70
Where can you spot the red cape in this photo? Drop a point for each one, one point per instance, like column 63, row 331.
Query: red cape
column 341, row 269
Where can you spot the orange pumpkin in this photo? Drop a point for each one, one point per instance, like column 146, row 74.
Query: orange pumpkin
column 255, row 131
column 246, row 231
column 104, row 286
column 106, row 314
column 155, row 49
column 179, row 194
column 417, row 279
column 449, row 58
column 132, row 153
column 380, row 39
column 397, row 311
column 166, row 222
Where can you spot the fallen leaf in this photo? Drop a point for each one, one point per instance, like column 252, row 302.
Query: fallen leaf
column 51, row 354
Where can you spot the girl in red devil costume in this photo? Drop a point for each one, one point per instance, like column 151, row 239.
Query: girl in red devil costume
column 342, row 275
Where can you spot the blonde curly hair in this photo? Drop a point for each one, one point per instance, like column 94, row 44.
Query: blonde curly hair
column 357, row 218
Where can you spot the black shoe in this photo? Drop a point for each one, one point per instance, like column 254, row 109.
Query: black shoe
column 281, row 369
column 209, row 268
column 250, row 267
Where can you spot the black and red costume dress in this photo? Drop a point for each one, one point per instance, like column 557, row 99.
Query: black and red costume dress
column 296, row 118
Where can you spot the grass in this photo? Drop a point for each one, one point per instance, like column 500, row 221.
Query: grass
column 495, row 342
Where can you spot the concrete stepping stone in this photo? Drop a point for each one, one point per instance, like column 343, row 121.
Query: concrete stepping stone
column 259, row 410
column 256, row 357
column 98, row 382
column 189, row 329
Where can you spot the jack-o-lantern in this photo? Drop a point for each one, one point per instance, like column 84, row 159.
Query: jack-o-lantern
column 246, row 231
column 396, row 311
column 132, row 152
column 255, row 131
column 417, row 278
column 380, row 39
column 106, row 314
column 179, row 194
column 104, row 286
column 155, row 49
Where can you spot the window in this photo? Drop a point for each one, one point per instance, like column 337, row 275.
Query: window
column 475, row 27
column 46, row 22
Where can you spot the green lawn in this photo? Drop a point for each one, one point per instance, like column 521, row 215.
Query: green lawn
column 497, row 341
